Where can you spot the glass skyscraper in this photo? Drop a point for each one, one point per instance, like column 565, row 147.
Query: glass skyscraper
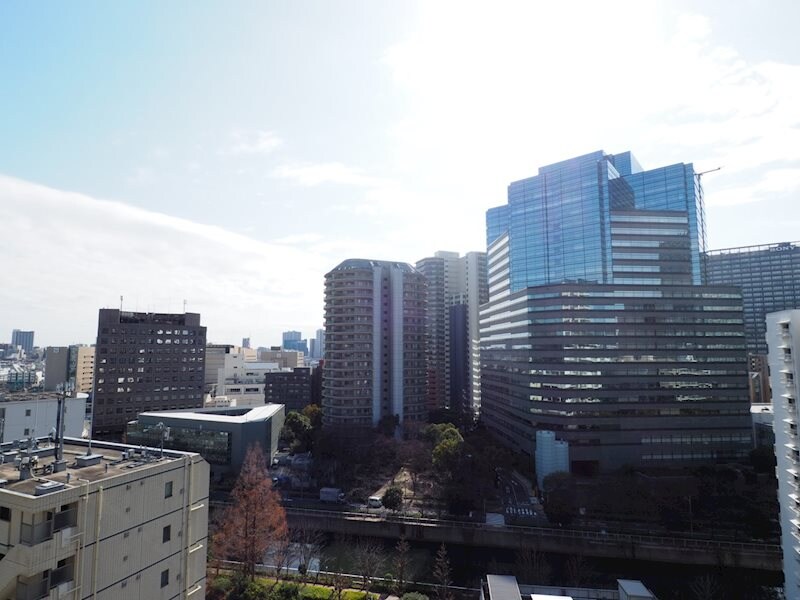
column 598, row 326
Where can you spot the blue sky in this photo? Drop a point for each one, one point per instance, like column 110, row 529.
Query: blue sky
column 230, row 154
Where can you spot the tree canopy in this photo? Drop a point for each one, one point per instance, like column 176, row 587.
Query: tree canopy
column 255, row 521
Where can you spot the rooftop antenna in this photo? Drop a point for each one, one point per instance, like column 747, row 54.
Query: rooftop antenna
column 184, row 305
column 64, row 390
column 120, row 302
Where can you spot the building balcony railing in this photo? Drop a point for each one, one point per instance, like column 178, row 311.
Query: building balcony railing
column 30, row 535
column 32, row 590
column 62, row 575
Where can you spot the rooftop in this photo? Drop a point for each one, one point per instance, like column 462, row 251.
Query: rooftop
column 105, row 460
column 218, row 415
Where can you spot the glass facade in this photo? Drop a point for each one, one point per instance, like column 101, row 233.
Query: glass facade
column 598, row 326
column 214, row 446
column 769, row 277
column 559, row 221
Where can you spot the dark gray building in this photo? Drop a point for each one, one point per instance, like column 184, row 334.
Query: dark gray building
column 220, row 435
column 292, row 388
column 145, row 362
column 598, row 326
column 769, row 278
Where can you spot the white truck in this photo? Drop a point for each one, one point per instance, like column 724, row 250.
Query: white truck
column 331, row 494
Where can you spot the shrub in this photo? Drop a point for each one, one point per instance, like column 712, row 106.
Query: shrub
column 414, row 596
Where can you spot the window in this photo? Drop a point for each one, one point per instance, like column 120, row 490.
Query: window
column 167, row 489
column 27, row 431
column 5, row 513
column 27, row 412
column 165, row 578
column 166, row 534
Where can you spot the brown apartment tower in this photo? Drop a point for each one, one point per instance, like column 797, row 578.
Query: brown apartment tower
column 145, row 362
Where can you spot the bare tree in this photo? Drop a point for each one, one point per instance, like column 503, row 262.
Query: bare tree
column 370, row 559
column 706, row 587
column 309, row 542
column 442, row 574
column 577, row 570
column 402, row 564
column 254, row 521
column 532, row 566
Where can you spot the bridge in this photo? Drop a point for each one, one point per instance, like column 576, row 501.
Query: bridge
column 676, row 550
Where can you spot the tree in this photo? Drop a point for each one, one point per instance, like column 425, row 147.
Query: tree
column 309, row 543
column 532, row 567
column 313, row 413
column 297, row 432
column 393, row 498
column 559, row 498
column 255, row 521
column 401, row 564
column 442, row 575
column 369, row 562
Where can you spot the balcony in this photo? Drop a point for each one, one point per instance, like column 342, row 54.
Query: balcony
column 32, row 590
column 31, row 534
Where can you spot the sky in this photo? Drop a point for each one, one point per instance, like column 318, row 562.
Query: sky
column 229, row 154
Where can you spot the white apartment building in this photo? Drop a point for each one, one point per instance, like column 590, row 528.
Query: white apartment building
column 112, row 522
column 783, row 340
column 33, row 414
column 242, row 379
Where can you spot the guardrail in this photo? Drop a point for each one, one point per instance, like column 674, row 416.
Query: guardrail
column 597, row 536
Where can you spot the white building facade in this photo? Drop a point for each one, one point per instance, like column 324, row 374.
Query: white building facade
column 783, row 340
column 115, row 523
column 33, row 414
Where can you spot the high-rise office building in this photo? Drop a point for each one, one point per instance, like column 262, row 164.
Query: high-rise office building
column 375, row 344
column 769, row 277
column 457, row 286
column 783, row 341
column 292, row 341
column 23, row 339
column 145, row 362
column 246, row 343
column 598, row 327
column 319, row 344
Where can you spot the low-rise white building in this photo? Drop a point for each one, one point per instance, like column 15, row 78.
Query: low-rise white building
column 33, row 414
column 110, row 521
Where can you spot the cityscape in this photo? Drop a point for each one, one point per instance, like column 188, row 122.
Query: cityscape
column 561, row 364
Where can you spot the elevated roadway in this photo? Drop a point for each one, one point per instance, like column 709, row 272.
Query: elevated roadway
column 676, row 550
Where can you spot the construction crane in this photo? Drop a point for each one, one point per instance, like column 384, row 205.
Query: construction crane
column 699, row 175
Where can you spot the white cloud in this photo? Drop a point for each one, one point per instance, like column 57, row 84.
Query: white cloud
column 254, row 142
column 69, row 254
column 299, row 239
column 492, row 93
column 310, row 175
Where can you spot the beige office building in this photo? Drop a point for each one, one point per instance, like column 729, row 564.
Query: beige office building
column 115, row 523
column 84, row 369
column 286, row 359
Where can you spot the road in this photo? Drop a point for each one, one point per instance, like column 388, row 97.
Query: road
column 518, row 507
